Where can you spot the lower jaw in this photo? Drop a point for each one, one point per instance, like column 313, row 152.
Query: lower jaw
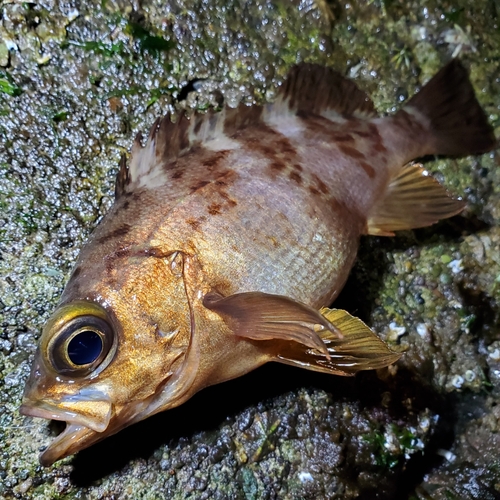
column 73, row 438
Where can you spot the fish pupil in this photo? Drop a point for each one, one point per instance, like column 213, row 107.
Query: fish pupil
column 85, row 347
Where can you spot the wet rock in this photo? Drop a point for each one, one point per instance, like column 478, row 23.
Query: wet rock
column 78, row 81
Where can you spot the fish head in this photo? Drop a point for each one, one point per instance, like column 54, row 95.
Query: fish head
column 114, row 357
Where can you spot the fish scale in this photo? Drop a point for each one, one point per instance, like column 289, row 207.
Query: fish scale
column 229, row 234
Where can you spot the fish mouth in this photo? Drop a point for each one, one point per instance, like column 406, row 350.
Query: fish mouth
column 68, row 442
column 72, row 439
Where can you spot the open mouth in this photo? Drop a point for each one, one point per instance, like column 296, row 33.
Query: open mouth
column 65, row 444
column 73, row 438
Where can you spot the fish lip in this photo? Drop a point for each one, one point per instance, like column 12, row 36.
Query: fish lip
column 90, row 408
column 70, row 439
column 41, row 410
column 67, row 443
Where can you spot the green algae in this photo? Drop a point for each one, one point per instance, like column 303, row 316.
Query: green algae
column 76, row 85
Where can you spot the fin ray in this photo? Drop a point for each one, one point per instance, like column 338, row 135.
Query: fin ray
column 358, row 349
column 263, row 316
column 308, row 88
column 457, row 125
column 413, row 199
column 312, row 88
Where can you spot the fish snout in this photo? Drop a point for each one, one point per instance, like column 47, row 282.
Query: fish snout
column 88, row 407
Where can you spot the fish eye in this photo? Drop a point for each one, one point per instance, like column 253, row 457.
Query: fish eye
column 84, row 347
column 80, row 345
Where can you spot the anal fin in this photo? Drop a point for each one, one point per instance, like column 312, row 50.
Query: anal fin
column 413, row 199
column 358, row 349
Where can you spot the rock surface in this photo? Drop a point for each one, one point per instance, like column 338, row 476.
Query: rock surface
column 78, row 80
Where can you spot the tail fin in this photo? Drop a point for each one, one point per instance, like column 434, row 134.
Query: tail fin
column 358, row 349
column 458, row 124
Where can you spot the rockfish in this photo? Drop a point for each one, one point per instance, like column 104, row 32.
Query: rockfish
column 229, row 234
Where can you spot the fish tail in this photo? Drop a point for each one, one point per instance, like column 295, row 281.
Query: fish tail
column 358, row 348
column 444, row 118
column 455, row 122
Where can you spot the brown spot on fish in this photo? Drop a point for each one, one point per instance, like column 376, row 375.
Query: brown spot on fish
column 377, row 144
column 352, row 152
column 226, row 176
column 273, row 146
column 297, row 166
column 408, row 121
column 126, row 205
column 111, row 258
column 339, row 207
column 362, row 133
column 320, row 184
column 277, row 166
column 370, row 171
column 296, row 177
column 214, row 209
column 229, row 201
column 198, row 185
column 314, row 191
column 117, row 233
column 194, row 223
column 378, row 147
column 214, row 161
column 274, row 241
column 342, row 137
column 320, row 126
column 267, row 150
column 284, row 146
column 178, row 174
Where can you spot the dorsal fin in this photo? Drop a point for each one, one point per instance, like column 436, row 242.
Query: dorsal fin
column 122, row 178
column 311, row 88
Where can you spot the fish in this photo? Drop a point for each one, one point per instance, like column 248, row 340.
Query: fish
column 231, row 234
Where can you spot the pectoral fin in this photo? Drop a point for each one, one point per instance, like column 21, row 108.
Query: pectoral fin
column 359, row 348
column 262, row 316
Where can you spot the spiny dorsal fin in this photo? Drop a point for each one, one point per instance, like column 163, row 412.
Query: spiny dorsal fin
column 167, row 141
column 122, row 178
column 311, row 88
column 308, row 89
column 413, row 199
column 359, row 348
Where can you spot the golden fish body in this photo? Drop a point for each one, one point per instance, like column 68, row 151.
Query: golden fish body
column 228, row 233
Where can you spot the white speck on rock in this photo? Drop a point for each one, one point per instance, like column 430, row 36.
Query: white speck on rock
column 422, row 330
column 425, row 424
column 456, row 266
column 494, row 353
column 395, row 332
column 305, row 477
column 447, row 454
column 457, row 381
